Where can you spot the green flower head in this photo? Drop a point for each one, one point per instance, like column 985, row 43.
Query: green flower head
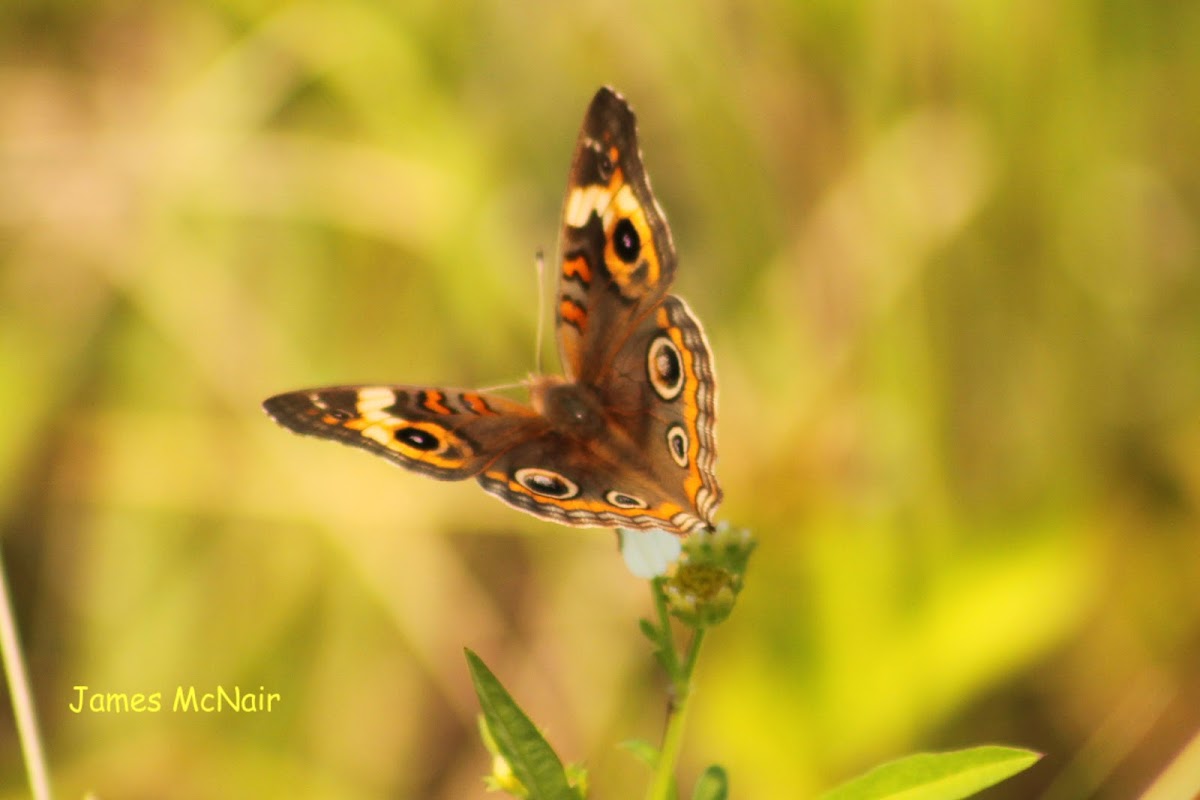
column 709, row 576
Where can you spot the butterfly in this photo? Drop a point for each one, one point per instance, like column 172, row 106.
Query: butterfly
column 625, row 438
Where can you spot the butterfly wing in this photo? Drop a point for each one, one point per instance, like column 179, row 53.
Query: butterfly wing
column 450, row 434
column 585, row 484
column 513, row 451
column 661, row 394
column 618, row 259
column 648, row 461
column 640, row 350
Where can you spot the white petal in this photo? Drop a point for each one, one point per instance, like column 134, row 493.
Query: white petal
column 648, row 554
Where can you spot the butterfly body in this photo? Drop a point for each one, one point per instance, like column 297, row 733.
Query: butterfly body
column 626, row 437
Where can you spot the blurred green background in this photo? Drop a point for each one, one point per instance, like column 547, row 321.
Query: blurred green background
column 946, row 255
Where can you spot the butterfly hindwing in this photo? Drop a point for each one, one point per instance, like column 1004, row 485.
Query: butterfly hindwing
column 663, row 392
column 585, row 485
column 648, row 461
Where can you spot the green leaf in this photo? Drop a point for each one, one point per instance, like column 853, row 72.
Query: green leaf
column 937, row 776
column 643, row 751
column 662, row 643
column 713, row 785
column 530, row 756
column 649, row 631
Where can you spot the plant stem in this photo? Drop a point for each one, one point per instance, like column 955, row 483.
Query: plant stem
column 670, row 657
column 663, row 785
column 693, row 654
column 22, row 698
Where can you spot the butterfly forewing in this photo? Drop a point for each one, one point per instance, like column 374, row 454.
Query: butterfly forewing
column 618, row 259
column 449, row 434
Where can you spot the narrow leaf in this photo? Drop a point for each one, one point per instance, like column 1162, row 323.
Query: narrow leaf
column 643, row 751
column 528, row 753
column 937, row 776
column 713, row 785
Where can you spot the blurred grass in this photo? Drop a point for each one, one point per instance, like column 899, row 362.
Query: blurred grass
column 947, row 258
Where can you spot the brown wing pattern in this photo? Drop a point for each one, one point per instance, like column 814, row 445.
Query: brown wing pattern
column 618, row 259
column 450, row 434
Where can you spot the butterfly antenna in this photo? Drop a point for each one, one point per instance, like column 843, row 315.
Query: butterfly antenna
column 540, row 267
column 500, row 387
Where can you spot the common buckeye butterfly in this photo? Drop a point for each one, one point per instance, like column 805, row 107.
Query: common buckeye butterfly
column 626, row 437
